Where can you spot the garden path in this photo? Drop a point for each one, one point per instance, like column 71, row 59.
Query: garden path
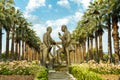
column 59, row 75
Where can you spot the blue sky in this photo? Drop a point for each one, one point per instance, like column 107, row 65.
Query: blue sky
column 54, row 13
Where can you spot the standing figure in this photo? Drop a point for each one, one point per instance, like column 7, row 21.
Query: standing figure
column 66, row 40
column 47, row 45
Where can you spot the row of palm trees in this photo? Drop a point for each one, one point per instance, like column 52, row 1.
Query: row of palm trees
column 101, row 15
column 23, row 39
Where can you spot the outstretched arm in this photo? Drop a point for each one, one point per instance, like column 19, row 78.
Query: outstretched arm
column 52, row 41
column 60, row 36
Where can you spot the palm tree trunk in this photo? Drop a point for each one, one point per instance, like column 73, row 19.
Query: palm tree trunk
column 84, row 49
column 115, row 35
column 77, row 52
column 109, row 41
column 96, row 45
column 75, row 57
column 23, row 49
column 7, row 44
column 19, row 53
column 88, row 47
column 100, row 46
column 80, row 53
column 16, row 51
column 12, row 44
column 0, row 41
column 91, row 47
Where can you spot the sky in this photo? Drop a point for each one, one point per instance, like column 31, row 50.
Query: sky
column 54, row 13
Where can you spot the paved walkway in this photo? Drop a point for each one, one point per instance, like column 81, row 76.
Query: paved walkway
column 57, row 75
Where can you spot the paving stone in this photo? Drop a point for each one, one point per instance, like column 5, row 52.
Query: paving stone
column 55, row 75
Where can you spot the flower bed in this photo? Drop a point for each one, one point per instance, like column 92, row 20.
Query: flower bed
column 94, row 71
column 103, row 68
column 82, row 73
column 24, row 68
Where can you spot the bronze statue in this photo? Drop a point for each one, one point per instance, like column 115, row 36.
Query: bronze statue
column 66, row 40
column 47, row 45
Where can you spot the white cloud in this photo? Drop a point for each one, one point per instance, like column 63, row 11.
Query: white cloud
column 85, row 3
column 33, row 4
column 64, row 3
column 32, row 18
column 68, row 20
column 39, row 29
column 78, row 16
column 57, row 22
column 49, row 6
column 17, row 8
column 56, row 26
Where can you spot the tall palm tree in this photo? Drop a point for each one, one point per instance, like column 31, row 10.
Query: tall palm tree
column 24, row 36
column 32, row 42
column 15, row 14
column 115, row 33
column 2, row 18
column 7, row 4
column 7, row 25
column 106, row 5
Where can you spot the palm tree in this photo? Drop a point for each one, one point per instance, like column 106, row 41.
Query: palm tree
column 15, row 14
column 7, row 25
column 2, row 18
column 6, row 5
column 0, row 41
column 79, row 36
column 24, row 36
column 107, row 20
column 32, row 42
column 115, row 33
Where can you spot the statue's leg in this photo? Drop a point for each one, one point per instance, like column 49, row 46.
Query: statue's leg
column 67, row 56
column 59, row 51
column 45, row 52
column 50, row 61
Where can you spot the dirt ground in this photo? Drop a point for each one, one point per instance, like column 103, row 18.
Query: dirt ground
column 31, row 77
column 16, row 77
column 111, row 77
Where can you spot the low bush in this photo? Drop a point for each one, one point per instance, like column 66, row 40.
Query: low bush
column 82, row 73
column 24, row 68
column 105, row 69
column 42, row 74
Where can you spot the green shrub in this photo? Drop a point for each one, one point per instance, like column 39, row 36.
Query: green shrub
column 83, row 73
column 14, row 68
column 24, row 68
column 42, row 74
column 106, row 70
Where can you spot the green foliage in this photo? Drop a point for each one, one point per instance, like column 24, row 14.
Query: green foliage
column 81, row 73
column 103, row 68
column 105, row 57
column 106, row 69
column 3, row 56
column 24, row 68
column 42, row 74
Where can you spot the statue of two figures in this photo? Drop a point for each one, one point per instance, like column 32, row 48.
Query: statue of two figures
column 48, row 43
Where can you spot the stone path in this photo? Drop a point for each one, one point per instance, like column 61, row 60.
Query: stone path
column 57, row 75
